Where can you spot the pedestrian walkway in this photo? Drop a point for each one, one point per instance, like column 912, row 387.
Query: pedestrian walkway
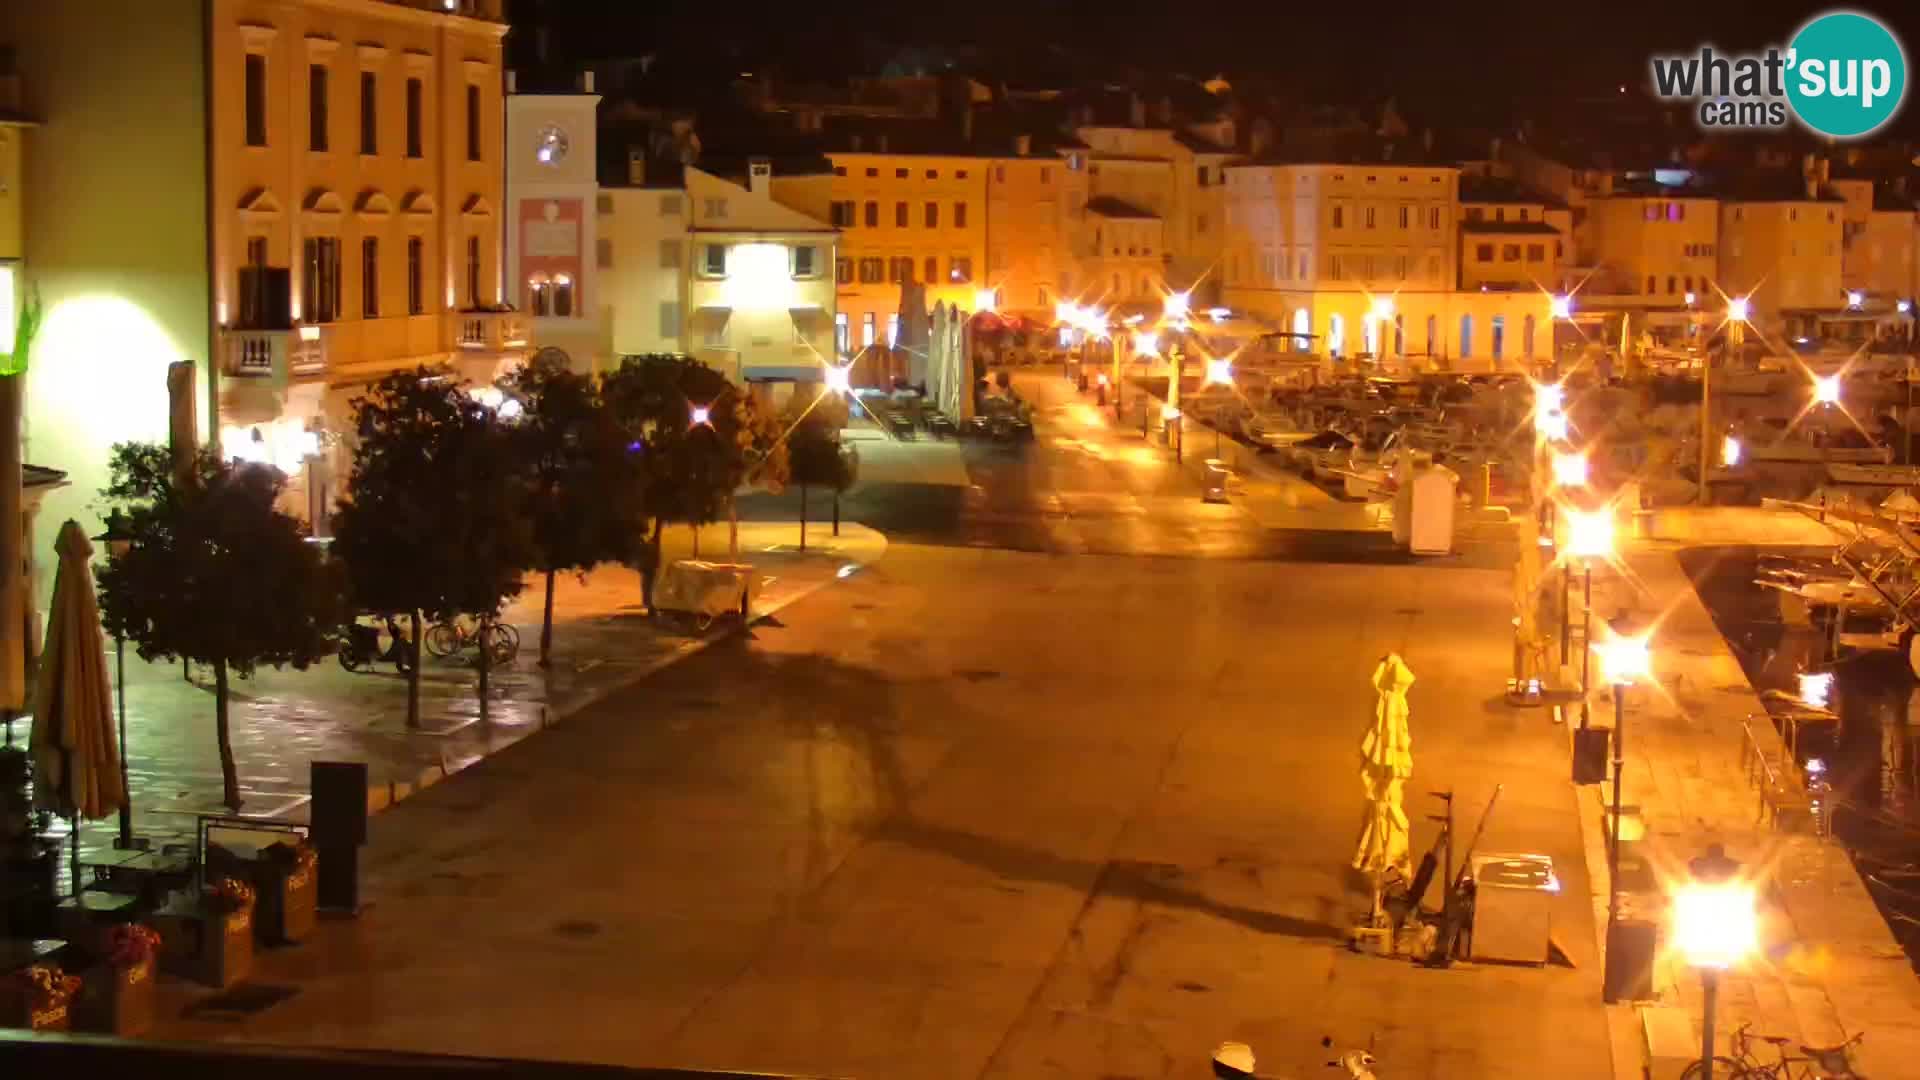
column 283, row 719
column 1828, row 966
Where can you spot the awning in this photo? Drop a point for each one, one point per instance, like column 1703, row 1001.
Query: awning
column 782, row 373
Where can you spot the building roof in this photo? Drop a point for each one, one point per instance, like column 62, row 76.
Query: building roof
column 40, row 476
column 1532, row 228
column 1499, row 189
column 1199, row 144
column 1354, row 149
column 1769, row 186
column 1108, row 206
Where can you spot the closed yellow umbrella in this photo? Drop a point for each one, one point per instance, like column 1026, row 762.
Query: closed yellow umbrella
column 1386, row 761
column 76, row 761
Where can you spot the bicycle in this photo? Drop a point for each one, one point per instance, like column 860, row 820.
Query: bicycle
column 450, row 636
column 1814, row 1062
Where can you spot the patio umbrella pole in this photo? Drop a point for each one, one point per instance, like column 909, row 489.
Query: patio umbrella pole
column 120, row 694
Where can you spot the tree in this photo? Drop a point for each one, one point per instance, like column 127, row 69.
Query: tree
column 435, row 514
column 818, row 460
column 698, row 438
column 215, row 573
column 585, row 488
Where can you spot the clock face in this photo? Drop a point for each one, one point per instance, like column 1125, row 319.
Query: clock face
column 550, row 145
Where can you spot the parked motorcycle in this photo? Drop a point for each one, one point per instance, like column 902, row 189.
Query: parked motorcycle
column 361, row 647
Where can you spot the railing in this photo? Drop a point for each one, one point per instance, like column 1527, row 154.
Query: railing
column 472, row 9
column 1784, row 802
column 275, row 354
column 489, row 331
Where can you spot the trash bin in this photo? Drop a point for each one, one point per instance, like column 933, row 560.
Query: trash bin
column 1512, row 907
column 1213, row 484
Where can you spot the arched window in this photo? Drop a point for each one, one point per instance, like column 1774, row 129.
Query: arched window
column 563, row 296
column 1336, row 335
column 1399, row 335
column 1370, row 332
column 1433, row 336
column 1466, row 336
column 1526, row 337
column 1302, row 328
column 539, row 296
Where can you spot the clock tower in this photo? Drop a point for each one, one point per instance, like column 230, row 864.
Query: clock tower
column 551, row 218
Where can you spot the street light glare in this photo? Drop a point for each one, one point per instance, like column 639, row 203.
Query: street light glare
column 839, row 378
column 1570, row 470
column 1826, row 389
column 1383, row 307
column 1563, row 307
column 1146, row 344
column 1816, row 688
column 1547, row 398
column 1738, row 308
column 1626, row 660
column 1856, row 298
column 701, row 414
column 1589, row 534
column 1219, row 371
column 1177, row 305
column 1714, row 923
column 1552, row 427
column 984, row 300
column 1730, row 451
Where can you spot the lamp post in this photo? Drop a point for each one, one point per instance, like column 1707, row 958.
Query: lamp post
column 1715, row 927
column 1219, row 373
column 119, row 540
column 1589, row 537
column 1738, row 308
column 1627, row 660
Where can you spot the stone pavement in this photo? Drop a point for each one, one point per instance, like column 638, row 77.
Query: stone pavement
column 283, row 719
column 1828, row 967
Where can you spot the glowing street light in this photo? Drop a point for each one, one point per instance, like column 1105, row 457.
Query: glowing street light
column 1563, row 307
column 1547, row 398
column 985, row 299
column 701, row 414
column 1625, row 660
column 1691, row 298
column 1730, row 451
column 1570, row 470
column 1146, row 343
column 1903, row 306
column 1715, row 927
column 1220, row 371
column 1739, row 308
column 1552, row 427
column 1066, row 312
column 1383, row 307
column 1177, row 305
column 1826, row 389
column 1589, row 534
column 1856, row 299
column 839, row 379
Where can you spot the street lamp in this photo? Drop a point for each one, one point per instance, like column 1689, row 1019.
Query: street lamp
column 1624, row 661
column 1826, row 389
column 1730, row 451
column 1562, row 307
column 1856, row 299
column 1715, row 927
column 1589, row 537
column 1570, row 470
column 1739, row 308
column 1170, row 413
column 119, row 541
column 1816, row 688
column 985, row 300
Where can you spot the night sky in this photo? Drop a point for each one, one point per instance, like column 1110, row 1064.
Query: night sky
column 1457, row 61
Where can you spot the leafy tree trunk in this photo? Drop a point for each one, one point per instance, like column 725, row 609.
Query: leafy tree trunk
column 546, row 625
column 650, row 565
column 803, row 517
column 413, row 673
column 229, row 773
column 486, row 660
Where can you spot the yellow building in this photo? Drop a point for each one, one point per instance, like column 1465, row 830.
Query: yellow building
column 1655, row 245
column 1511, row 237
column 1036, row 202
column 356, row 192
column 1877, row 242
column 1780, row 247
column 1177, row 177
column 902, row 217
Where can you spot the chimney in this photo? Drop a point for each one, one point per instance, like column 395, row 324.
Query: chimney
column 856, row 142
column 1136, row 111
column 1826, row 171
column 636, row 166
column 880, row 142
column 1493, row 149
column 513, row 83
column 966, row 122
column 1022, row 145
column 760, row 176
column 586, row 82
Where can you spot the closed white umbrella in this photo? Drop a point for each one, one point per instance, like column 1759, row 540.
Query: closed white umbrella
column 76, row 764
column 1386, row 761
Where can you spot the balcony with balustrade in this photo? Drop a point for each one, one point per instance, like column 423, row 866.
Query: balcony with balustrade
column 490, row 10
column 497, row 332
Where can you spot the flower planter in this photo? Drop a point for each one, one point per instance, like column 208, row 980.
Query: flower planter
column 39, row 1008
column 117, row 1001
column 209, row 946
column 288, row 901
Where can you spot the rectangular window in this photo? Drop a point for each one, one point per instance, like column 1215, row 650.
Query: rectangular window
column 1339, row 216
column 933, row 270
column 899, row 174
column 933, row 215
column 840, row 215
column 473, row 271
column 714, row 208
column 900, row 215
column 1405, row 213
column 900, row 269
column 1499, row 335
column 842, row 334
column 603, row 252
column 320, row 280
column 670, row 320
column 959, row 215
column 1046, row 175
column 805, row 261
column 256, row 100
column 1369, row 212
column 416, row 118
column 961, row 269
column 873, row 214
column 933, row 174
column 369, row 278
column 473, row 122
column 1433, row 218
column 893, row 329
column 843, row 271
column 866, row 329
column 713, row 260
column 1334, row 269
column 669, row 206
column 872, row 270
column 669, row 254
column 1483, row 252
column 1536, row 252
column 369, row 113
column 1509, row 252
column 716, row 331
column 256, row 251
column 317, row 108
column 416, row 276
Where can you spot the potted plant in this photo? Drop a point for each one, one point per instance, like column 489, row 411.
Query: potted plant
column 289, row 891
column 211, row 941
column 118, row 996
column 39, row 998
